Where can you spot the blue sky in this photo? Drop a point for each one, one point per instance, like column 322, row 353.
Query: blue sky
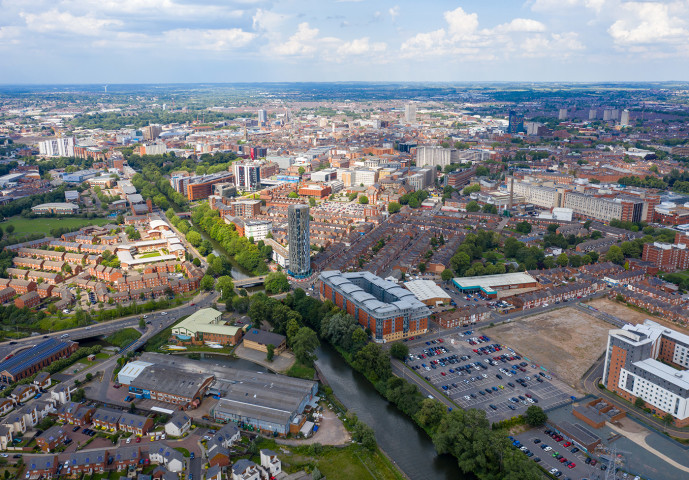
column 142, row 41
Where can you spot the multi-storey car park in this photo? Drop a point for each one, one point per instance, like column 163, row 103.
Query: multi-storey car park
column 390, row 311
column 650, row 362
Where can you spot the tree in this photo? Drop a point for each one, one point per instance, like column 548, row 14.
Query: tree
column 9, row 229
column 292, row 329
column 207, row 283
column 394, row 207
column 363, row 434
column 303, row 345
column 363, row 200
column 270, row 352
column 562, row 260
column 292, row 195
column 142, row 324
column 194, row 238
column 615, row 255
column 225, row 286
column 668, row 419
column 301, row 171
column 399, row 351
column 312, row 202
column 535, row 416
column 276, row 282
column 488, row 208
column 473, row 206
column 523, row 227
column 552, row 228
column 639, row 402
column 315, row 474
column 422, row 267
column 446, row 275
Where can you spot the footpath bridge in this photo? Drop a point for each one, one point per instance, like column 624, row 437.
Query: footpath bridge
column 250, row 282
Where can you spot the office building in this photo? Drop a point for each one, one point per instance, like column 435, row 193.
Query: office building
column 516, row 123
column 406, row 147
column 206, row 326
column 201, row 187
column 59, row 208
column 410, row 113
column 388, row 310
column 152, row 132
column 624, row 120
column 57, row 147
column 299, row 241
column 247, row 175
column 650, row 362
column 262, row 116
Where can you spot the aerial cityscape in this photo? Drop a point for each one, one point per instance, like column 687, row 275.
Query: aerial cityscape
column 263, row 259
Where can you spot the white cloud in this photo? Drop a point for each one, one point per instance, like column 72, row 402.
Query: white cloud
column 561, row 5
column 218, row 40
column 461, row 24
column 647, row 23
column 394, row 12
column 462, row 37
column 268, row 21
column 161, row 8
column 520, row 25
column 302, row 43
column 360, row 46
column 64, row 22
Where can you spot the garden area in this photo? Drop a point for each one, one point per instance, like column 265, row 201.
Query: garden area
column 23, row 226
column 123, row 337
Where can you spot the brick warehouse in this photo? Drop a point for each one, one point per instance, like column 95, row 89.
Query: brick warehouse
column 390, row 311
column 30, row 361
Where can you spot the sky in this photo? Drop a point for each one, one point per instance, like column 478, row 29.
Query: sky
column 180, row 41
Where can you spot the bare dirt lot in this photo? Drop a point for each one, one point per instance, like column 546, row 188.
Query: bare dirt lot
column 565, row 341
column 629, row 314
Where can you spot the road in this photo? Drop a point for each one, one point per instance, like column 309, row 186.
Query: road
column 98, row 390
column 400, row 370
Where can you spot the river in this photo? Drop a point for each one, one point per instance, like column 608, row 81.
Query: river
column 406, row 443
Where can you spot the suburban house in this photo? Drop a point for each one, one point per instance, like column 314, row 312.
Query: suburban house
column 217, row 448
column 106, row 418
column 22, row 393
column 41, row 466
column 88, row 463
column 179, row 424
column 171, row 458
column 136, row 424
column 126, row 456
column 5, row 436
column 245, row 470
column 76, row 414
column 42, row 380
column 49, row 439
column 61, row 393
column 271, row 462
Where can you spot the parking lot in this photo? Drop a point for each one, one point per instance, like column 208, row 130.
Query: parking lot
column 485, row 375
column 548, row 448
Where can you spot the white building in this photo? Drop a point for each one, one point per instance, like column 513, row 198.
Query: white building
column 410, row 113
column 271, row 462
column 178, row 425
column 257, row 229
column 436, row 156
column 57, row 147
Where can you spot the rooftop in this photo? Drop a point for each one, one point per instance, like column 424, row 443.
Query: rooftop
column 426, row 289
column 206, row 320
column 488, row 283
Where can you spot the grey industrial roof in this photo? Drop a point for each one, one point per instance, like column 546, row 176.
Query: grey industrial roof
column 173, row 381
column 264, row 337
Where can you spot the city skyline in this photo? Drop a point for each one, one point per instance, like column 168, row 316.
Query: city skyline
column 208, row 41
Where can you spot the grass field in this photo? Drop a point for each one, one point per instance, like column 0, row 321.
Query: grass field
column 123, row 337
column 350, row 462
column 23, row 225
column 299, row 370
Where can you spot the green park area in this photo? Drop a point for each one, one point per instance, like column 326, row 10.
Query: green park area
column 352, row 461
column 23, row 226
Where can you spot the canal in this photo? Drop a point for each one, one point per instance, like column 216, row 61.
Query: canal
column 238, row 273
column 406, row 443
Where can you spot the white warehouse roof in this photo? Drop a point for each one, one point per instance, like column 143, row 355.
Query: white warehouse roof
column 426, row 290
column 132, row 370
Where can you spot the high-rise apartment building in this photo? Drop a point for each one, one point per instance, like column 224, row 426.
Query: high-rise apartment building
column 562, row 114
column 624, row 120
column 410, row 113
column 593, row 114
column 516, row 124
column 650, row 362
column 57, row 147
column 299, row 241
column 262, row 116
column 247, row 175
column 436, row 156
column 152, row 132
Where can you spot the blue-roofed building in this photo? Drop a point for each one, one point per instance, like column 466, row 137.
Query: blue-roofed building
column 136, row 424
column 168, row 456
column 41, row 466
column 80, row 176
column 89, row 462
column 30, row 361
